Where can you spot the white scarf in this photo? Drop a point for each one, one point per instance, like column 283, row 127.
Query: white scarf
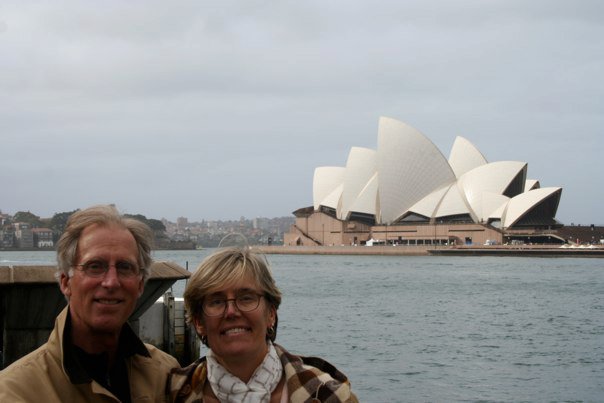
column 230, row 389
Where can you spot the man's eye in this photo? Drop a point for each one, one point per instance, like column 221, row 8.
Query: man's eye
column 124, row 266
column 95, row 266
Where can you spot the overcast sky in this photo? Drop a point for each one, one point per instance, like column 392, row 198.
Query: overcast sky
column 221, row 109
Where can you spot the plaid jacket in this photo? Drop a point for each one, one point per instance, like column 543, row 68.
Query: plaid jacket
column 309, row 379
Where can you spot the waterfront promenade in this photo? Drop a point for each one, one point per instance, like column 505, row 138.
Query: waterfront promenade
column 439, row 250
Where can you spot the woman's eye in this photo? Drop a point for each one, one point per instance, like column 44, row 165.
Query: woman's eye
column 215, row 302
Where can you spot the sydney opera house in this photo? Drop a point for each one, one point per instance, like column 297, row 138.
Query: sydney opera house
column 407, row 192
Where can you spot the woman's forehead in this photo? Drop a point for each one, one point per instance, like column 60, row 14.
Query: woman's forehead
column 247, row 282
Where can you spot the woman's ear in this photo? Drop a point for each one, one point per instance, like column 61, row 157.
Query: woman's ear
column 272, row 315
column 199, row 327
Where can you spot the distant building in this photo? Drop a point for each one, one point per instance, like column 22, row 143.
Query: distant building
column 182, row 223
column 262, row 223
column 407, row 192
column 23, row 235
column 43, row 238
column 7, row 237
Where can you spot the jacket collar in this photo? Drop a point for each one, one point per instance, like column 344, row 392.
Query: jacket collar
column 129, row 344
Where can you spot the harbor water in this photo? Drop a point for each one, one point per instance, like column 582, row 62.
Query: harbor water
column 436, row 329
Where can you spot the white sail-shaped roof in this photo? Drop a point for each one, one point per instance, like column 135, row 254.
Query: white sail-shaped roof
column 525, row 202
column 489, row 204
column 366, row 201
column 465, row 156
column 409, row 175
column 453, row 203
column 361, row 166
column 499, row 213
column 428, row 205
column 531, row 184
column 409, row 168
column 491, row 178
column 325, row 181
column 334, row 199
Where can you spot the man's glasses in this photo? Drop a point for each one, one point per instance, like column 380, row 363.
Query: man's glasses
column 246, row 302
column 98, row 268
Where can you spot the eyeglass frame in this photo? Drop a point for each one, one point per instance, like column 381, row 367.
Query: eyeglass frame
column 82, row 267
column 234, row 300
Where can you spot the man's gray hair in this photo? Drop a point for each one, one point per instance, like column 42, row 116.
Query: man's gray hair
column 103, row 215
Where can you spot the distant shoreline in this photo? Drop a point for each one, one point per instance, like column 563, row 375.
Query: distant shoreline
column 411, row 250
column 433, row 250
column 54, row 249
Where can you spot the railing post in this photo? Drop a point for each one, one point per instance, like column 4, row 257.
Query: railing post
column 169, row 346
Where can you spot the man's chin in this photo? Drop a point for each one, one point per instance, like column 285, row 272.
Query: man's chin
column 105, row 324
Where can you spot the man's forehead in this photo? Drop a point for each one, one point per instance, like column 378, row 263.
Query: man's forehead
column 110, row 226
column 90, row 238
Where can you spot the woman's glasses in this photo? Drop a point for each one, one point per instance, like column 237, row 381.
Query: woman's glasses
column 246, row 302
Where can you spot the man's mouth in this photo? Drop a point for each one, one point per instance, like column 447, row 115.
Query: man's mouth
column 108, row 301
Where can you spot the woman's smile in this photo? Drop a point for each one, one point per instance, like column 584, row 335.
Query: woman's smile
column 236, row 331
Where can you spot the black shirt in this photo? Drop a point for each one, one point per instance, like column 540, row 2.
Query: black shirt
column 82, row 367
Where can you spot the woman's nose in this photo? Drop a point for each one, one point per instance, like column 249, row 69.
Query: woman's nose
column 231, row 308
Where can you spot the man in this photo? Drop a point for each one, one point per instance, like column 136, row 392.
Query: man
column 92, row 354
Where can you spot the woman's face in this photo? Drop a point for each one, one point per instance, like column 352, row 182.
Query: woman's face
column 237, row 336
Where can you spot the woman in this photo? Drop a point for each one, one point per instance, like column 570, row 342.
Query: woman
column 232, row 301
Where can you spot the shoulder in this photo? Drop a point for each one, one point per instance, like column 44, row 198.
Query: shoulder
column 161, row 357
column 39, row 365
column 187, row 382
column 37, row 360
column 300, row 362
column 314, row 377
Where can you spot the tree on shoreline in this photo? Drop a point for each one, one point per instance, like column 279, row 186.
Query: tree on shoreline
column 59, row 220
column 28, row 217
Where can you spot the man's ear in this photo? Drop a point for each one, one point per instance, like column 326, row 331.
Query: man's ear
column 141, row 287
column 64, row 284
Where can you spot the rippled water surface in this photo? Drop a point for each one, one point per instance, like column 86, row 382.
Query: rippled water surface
column 440, row 328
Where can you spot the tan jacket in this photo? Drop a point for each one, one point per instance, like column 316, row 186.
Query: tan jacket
column 40, row 375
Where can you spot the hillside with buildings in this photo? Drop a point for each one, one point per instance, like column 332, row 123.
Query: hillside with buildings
column 26, row 230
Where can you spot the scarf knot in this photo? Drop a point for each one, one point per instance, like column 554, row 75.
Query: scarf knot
column 230, row 389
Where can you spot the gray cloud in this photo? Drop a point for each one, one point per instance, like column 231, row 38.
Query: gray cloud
column 217, row 109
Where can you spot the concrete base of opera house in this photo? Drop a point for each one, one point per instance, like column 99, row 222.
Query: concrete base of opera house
column 432, row 250
column 315, row 228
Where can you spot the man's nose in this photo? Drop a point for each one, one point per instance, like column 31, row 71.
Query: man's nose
column 111, row 279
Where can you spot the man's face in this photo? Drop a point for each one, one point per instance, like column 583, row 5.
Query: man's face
column 101, row 305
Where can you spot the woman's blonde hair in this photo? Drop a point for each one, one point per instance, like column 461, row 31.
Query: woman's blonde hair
column 227, row 266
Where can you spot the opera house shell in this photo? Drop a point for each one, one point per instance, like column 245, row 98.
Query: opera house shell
column 409, row 189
